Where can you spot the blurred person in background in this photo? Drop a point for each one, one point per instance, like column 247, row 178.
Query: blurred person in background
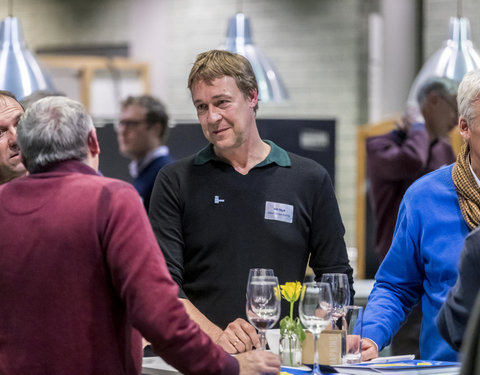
column 81, row 270
column 240, row 203
column 436, row 214
column 395, row 160
column 141, row 135
column 10, row 164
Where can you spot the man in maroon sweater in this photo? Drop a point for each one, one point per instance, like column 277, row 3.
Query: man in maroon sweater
column 80, row 269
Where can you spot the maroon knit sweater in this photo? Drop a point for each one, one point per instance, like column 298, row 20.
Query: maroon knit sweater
column 79, row 269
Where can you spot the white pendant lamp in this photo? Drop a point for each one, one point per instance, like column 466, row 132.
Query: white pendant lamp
column 453, row 60
column 239, row 40
column 20, row 72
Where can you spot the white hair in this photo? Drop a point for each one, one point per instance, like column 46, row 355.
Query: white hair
column 468, row 94
column 53, row 129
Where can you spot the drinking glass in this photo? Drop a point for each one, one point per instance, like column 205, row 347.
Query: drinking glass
column 340, row 295
column 353, row 324
column 259, row 272
column 263, row 304
column 315, row 310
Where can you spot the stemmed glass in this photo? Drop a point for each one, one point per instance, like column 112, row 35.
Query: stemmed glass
column 340, row 294
column 259, row 272
column 315, row 310
column 263, row 304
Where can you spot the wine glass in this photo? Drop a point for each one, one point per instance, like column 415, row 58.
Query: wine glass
column 315, row 310
column 340, row 294
column 259, row 272
column 263, row 304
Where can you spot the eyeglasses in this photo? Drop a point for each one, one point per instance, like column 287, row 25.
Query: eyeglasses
column 128, row 124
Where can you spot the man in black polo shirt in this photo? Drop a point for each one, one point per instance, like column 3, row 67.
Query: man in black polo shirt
column 239, row 203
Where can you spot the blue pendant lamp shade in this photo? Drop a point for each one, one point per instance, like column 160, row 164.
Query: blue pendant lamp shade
column 453, row 60
column 20, row 72
column 239, row 40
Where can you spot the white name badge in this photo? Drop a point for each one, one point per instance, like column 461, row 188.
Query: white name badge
column 279, row 211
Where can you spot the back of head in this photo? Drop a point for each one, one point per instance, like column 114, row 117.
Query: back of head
column 215, row 64
column 468, row 94
column 155, row 111
column 444, row 86
column 53, row 129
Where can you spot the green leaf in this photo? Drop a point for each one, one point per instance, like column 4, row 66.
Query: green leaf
column 299, row 330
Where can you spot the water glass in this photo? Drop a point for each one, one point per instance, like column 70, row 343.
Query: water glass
column 353, row 324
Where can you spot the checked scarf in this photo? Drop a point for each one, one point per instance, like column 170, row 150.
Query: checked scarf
column 467, row 189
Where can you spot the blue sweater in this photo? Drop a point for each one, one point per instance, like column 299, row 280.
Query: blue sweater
column 422, row 263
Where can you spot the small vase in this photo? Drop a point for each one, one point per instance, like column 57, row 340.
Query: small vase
column 290, row 350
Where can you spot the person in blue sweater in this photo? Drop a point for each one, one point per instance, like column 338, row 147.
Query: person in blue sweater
column 141, row 134
column 436, row 214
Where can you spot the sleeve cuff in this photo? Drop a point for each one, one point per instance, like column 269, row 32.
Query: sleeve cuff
column 231, row 365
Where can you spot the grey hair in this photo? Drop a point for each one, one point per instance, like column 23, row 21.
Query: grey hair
column 53, row 129
column 444, row 86
column 468, row 94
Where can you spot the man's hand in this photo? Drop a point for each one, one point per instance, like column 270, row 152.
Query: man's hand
column 239, row 337
column 258, row 362
column 369, row 349
column 403, row 124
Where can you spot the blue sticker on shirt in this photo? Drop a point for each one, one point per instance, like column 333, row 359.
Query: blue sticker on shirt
column 279, row 211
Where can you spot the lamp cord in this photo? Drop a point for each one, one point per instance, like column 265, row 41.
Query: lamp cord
column 10, row 8
column 459, row 8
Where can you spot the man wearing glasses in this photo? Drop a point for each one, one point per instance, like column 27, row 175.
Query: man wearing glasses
column 141, row 134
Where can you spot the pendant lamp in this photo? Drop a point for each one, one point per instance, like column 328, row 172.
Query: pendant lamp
column 239, row 40
column 453, row 60
column 20, row 72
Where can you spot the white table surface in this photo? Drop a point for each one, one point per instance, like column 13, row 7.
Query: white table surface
column 157, row 366
column 363, row 288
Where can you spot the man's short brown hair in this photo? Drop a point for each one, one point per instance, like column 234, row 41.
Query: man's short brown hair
column 215, row 64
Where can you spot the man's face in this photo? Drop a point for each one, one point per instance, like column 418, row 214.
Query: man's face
column 10, row 163
column 444, row 114
column 227, row 116
column 450, row 112
column 135, row 137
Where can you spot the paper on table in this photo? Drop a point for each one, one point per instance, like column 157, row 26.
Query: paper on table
column 395, row 358
column 412, row 367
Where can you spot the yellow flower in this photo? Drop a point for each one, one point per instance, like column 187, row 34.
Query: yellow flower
column 291, row 290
